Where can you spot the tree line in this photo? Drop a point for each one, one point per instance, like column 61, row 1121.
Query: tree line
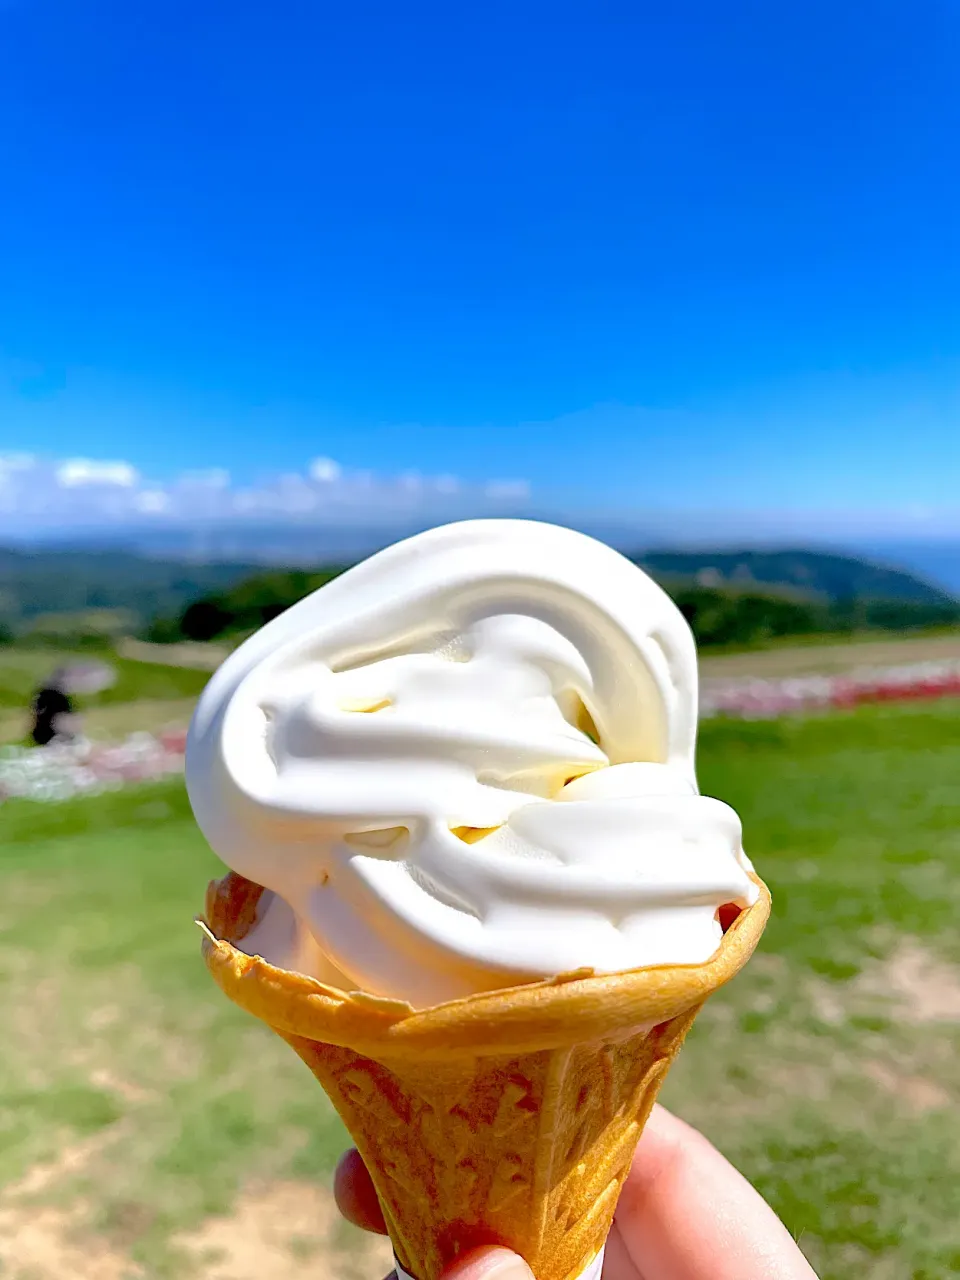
column 726, row 616
column 718, row 615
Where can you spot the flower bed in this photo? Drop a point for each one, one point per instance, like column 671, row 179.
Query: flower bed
column 65, row 769
column 749, row 698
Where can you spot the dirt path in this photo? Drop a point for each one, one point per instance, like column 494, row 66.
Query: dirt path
column 793, row 660
column 830, row 659
column 277, row 1231
column 204, row 657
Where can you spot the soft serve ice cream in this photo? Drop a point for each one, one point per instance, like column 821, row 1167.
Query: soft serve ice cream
column 467, row 763
column 465, row 769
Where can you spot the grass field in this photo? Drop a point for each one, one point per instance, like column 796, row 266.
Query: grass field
column 149, row 1129
column 147, row 694
column 825, row 655
column 787, row 656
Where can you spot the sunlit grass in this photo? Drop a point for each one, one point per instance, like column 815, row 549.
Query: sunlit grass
column 821, row 1071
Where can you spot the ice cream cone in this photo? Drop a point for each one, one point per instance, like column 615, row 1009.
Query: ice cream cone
column 509, row 1117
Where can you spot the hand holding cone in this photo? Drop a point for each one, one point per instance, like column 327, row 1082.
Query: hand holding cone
column 506, row 1118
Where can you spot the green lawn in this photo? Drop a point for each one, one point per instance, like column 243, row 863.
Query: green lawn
column 828, row 1072
column 113, row 1027
column 136, row 1102
column 23, row 668
column 147, row 694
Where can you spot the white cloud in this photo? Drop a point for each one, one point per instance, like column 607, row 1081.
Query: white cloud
column 513, row 490
column 211, row 478
column 297, row 495
column 14, row 462
column 75, row 472
column 71, row 493
column 152, row 502
column 40, row 495
column 324, row 470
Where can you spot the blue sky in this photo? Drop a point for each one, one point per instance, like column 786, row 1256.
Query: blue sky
column 642, row 258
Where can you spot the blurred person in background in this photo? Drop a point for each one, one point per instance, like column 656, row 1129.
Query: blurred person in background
column 52, row 711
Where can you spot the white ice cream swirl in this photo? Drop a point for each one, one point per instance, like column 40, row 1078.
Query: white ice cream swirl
column 467, row 762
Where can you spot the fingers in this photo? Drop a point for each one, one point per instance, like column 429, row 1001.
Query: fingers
column 686, row 1213
column 357, row 1201
column 617, row 1262
column 354, row 1193
column 489, row 1264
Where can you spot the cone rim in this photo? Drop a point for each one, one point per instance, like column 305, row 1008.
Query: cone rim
column 551, row 1013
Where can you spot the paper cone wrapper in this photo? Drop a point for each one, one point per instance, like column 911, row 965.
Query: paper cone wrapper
column 506, row 1118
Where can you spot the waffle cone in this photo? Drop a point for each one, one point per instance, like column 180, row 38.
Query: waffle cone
column 509, row 1117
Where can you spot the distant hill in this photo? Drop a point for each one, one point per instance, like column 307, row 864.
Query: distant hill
column 741, row 609
column 729, row 596
column 814, row 574
column 938, row 561
column 36, row 583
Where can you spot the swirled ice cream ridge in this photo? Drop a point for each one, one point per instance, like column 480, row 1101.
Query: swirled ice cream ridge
column 465, row 763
